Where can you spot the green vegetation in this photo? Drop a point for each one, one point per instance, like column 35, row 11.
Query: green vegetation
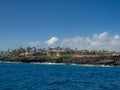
column 61, row 55
column 67, row 55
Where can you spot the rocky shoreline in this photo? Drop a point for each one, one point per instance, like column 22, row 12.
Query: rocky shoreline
column 78, row 59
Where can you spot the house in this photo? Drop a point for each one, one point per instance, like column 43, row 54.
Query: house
column 24, row 53
column 55, row 52
column 30, row 53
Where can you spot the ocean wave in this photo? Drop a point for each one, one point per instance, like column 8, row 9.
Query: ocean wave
column 72, row 64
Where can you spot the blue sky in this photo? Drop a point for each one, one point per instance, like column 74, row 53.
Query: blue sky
column 24, row 22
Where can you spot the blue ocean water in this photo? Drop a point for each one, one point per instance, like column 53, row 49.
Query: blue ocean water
column 58, row 77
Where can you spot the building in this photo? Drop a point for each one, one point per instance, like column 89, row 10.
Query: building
column 55, row 52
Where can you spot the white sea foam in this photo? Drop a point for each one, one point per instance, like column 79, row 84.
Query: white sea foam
column 48, row 63
column 9, row 62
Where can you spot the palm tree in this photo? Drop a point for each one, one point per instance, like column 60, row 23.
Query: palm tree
column 29, row 49
column 34, row 49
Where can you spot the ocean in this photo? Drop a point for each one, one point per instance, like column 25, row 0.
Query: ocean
column 23, row 76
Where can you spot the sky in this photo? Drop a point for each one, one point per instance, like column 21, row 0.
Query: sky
column 82, row 24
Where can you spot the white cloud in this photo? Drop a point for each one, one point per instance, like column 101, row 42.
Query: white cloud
column 97, row 41
column 34, row 44
column 52, row 41
column 100, row 41
column 13, row 45
column 76, row 42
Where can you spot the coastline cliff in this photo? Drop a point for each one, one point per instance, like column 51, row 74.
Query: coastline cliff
column 71, row 59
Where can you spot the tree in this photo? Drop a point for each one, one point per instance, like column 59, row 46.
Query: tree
column 29, row 49
column 34, row 49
